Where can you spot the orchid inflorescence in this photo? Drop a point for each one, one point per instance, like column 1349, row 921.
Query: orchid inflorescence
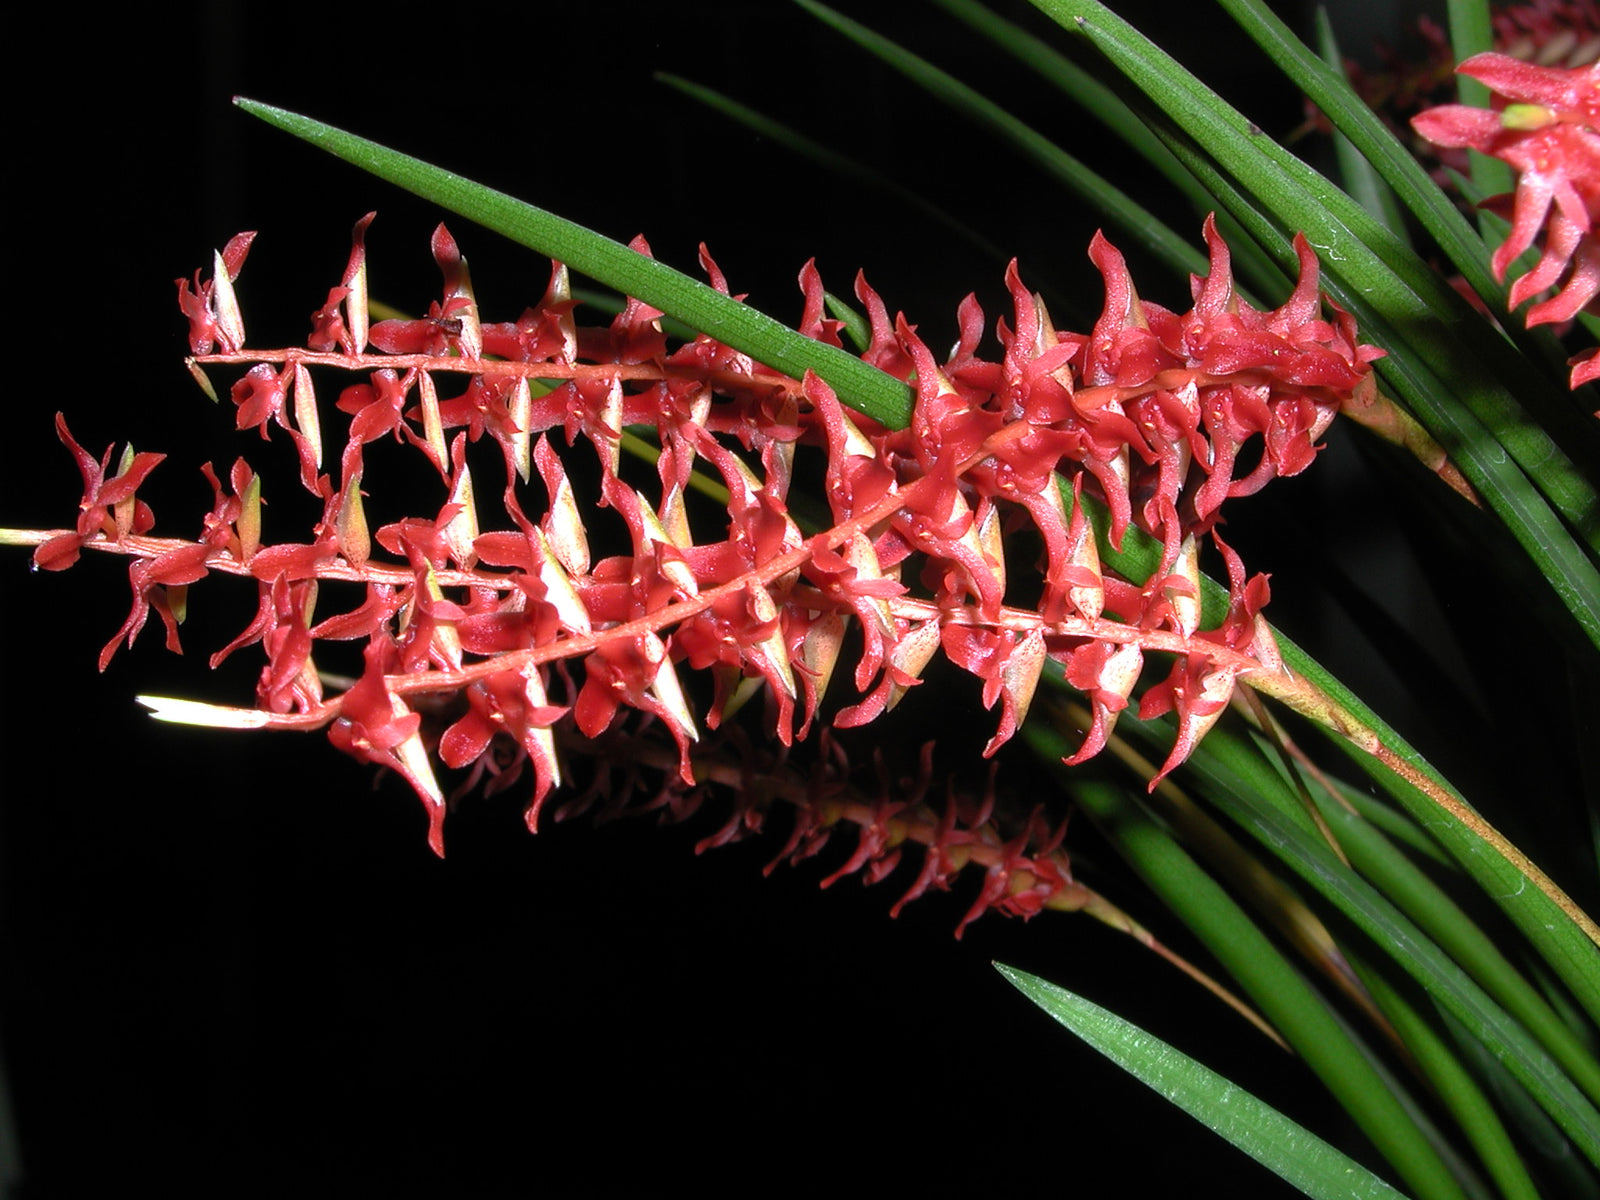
column 527, row 642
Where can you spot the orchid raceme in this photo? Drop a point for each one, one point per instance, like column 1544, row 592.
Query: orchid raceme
column 1151, row 411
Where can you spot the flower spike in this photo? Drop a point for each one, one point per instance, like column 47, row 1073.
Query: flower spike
column 487, row 649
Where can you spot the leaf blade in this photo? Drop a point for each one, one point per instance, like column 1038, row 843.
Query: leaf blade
column 870, row 390
column 1261, row 1131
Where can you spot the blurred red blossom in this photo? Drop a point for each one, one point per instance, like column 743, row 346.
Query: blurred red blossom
column 1545, row 123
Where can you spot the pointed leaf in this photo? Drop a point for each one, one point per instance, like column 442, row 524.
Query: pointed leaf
column 1261, row 1131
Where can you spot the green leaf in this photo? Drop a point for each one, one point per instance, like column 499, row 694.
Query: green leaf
column 1243, row 786
column 1452, row 1083
column 1261, row 1131
column 1273, row 985
column 869, row 390
column 1474, row 413
column 829, row 160
column 1116, row 206
column 1332, row 93
column 888, row 400
column 1472, row 32
column 1360, row 178
column 1564, row 946
column 1105, row 106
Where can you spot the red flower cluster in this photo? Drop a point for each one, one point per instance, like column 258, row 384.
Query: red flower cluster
column 1545, row 124
column 1025, row 869
column 520, row 633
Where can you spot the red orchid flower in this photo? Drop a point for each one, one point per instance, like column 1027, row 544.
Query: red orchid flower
column 1546, row 124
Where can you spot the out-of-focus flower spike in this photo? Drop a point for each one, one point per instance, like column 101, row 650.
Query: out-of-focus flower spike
column 198, row 374
column 520, row 408
column 461, row 530
column 357, row 317
column 230, row 321
column 563, row 528
column 459, row 302
column 307, row 422
column 355, row 543
column 433, row 427
column 248, row 526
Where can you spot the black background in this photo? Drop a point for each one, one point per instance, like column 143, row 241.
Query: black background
column 230, row 965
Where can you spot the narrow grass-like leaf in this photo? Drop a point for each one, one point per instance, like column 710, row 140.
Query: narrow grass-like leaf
column 870, row 390
column 1116, row 206
column 1356, row 172
column 1472, row 32
column 1261, row 1131
column 1099, row 101
column 1266, row 976
column 1426, row 903
column 1084, row 88
column 886, row 399
column 1332, row 93
column 1392, row 292
column 1563, row 944
column 1242, row 785
column 856, row 326
column 1384, row 153
column 1565, row 1172
column 1452, row 1083
column 829, row 160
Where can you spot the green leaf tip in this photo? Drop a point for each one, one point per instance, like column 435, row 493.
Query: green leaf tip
column 1261, row 1131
